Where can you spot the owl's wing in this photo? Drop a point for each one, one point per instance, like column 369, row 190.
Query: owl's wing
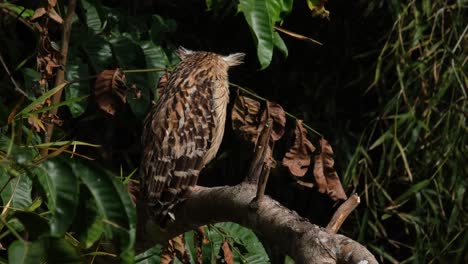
column 176, row 137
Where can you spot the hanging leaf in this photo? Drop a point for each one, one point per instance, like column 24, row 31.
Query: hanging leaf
column 61, row 185
column 276, row 112
column 325, row 174
column 261, row 15
column 297, row 159
column 109, row 90
column 247, row 118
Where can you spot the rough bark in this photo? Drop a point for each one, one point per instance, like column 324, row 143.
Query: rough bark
column 276, row 226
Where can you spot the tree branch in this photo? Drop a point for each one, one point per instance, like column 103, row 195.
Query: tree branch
column 60, row 78
column 342, row 213
column 273, row 224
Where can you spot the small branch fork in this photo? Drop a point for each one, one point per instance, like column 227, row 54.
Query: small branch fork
column 282, row 231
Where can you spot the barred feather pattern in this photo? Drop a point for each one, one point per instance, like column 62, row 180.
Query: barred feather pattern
column 183, row 131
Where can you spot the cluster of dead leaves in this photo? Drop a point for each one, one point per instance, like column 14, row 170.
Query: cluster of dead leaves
column 249, row 117
column 175, row 247
column 48, row 57
column 38, row 120
column 110, row 90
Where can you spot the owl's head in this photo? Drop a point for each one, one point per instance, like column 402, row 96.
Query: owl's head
column 231, row 60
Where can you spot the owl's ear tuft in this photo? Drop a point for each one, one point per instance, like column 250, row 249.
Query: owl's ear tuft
column 183, row 52
column 234, row 59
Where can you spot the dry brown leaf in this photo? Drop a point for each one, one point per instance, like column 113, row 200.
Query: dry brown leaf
column 199, row 240
column 325, row 174
column 175, row 247
column 109, row 90
column 226, row 253
column 297, row 159
column 47, row 8
column 247, row 118
column 276, row 112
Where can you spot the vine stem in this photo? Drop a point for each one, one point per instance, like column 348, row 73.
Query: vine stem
column 247, row 91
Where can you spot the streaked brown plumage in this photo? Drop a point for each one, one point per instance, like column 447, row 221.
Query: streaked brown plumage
column 183, row 131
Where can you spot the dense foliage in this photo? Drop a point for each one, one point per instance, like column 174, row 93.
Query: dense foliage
column 388, row 87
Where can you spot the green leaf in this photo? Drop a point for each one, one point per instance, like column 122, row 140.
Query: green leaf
column 257, row 16
column 411, row 191
column 18, row 189
column 160, row 27
column 156, row 58
column 113, row 205
column 99, row 53
column 279, row 43
column 93, row 19
column 90, row 227
column 130, row 55
column 41, row 99
column 60, row 251
column 150, row 256
column 262, row 15
column 34, row 224
column 23, row 252
column 76, row 70
column 62, row 187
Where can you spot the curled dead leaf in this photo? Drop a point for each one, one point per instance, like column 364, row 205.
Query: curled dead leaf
column 110, row 90
column 297, row 159
column 247, row 118
column 276, row 112
column 325, row 174
column 175, row 247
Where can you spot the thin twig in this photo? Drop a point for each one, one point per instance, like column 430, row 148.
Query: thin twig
column 17, row 87
column 67, row 26
column 260, row 152
column 298, row 36
column 342, row 213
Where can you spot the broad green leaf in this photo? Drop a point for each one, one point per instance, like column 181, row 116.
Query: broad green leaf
column 76, row 70
column 257, row 16
column 62, row 184
column 23, row 252
column 150, row 256
column 160, row 27
column 93, row 19
column 155, row 58
column 18, row 189
column 34, row 224
column 99, row 52
column 60, row 251
column 261, row 15
column 90, row 227
column 113, row 205
column 130, row 56
column 279, row 43
column 127, row 239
